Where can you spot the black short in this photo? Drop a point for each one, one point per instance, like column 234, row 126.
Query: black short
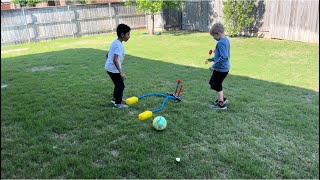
column 217, row 79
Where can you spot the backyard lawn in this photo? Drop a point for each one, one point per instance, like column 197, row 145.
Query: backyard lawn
column 57, row 120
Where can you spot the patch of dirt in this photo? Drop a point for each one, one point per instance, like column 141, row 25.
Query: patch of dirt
column 115, row 153
column 41, row 68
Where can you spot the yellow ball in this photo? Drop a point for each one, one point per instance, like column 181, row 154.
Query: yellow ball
column 159, row 123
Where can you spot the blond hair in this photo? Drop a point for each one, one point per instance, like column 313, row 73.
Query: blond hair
column 217, row 27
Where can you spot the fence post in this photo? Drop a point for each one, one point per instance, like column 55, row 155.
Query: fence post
column 71, row 20
column 116, row 17
column 146, row 17
column 162, row 21
column 26, row 24
column 111, row 19
column 181, row 18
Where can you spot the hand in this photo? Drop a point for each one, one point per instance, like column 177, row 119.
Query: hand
column 208, row 60
column 211, row 68
column 123, row 76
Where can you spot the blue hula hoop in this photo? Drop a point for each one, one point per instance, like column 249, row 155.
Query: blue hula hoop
column 158, row 95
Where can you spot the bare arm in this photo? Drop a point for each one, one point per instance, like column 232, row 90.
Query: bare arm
column 209, row 60
column 115, row 61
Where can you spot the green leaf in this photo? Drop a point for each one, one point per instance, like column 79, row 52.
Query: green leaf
column 238, row 15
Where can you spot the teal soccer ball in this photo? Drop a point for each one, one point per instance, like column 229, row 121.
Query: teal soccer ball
column 159, row 123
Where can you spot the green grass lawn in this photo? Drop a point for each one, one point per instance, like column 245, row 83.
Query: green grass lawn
column 57, row 120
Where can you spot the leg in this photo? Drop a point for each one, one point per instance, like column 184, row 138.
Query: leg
column 114, row 93
column 118, row 86
column 216, row 84
column 221, row 77
column 220, row 96
column 120, row 89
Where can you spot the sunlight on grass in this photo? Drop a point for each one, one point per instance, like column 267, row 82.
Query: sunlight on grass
column 57, row 120
column 285, row 62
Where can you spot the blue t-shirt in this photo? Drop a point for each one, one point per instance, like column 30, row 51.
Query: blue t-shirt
column 222, row 55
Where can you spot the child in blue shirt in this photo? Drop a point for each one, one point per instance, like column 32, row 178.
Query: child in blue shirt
column 221, row 64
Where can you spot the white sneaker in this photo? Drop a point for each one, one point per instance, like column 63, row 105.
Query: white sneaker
column 219, row 106
column 119, row 106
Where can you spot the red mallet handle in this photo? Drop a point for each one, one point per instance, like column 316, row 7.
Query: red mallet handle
column 180, row 90
column 210, row 52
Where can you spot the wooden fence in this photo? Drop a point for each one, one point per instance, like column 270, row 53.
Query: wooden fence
column 296, row 20
column 293, row 20
column 35, row 24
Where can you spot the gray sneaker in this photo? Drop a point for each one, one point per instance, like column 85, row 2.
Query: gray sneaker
column 119, row 106
column 219, row 106
column 113, row 101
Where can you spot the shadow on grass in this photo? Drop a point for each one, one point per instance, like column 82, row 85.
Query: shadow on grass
column 58, row 122
column 180, row 32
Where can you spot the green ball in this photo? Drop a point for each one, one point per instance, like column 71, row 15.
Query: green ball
column 159, row 123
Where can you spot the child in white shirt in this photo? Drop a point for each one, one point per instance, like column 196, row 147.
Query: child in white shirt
column 114, row 60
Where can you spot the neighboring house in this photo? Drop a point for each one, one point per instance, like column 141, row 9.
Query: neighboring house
column 47, row 3
column 106, row 1
column 6, row 4
column 52, row 3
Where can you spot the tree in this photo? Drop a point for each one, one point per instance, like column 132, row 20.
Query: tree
column 238, row 15
column 23, row 3
column 153, row 7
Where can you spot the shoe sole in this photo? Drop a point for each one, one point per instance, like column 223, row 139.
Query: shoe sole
column 113, row 102
column 120, row 108
column 224, row 108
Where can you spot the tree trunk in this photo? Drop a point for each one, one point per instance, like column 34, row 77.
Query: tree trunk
column 152, row 28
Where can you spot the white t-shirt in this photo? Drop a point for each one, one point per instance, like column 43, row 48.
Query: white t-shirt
column 116, row 47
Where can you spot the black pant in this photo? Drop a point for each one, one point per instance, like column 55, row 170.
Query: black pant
column 217, row 79
column 118, row 86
